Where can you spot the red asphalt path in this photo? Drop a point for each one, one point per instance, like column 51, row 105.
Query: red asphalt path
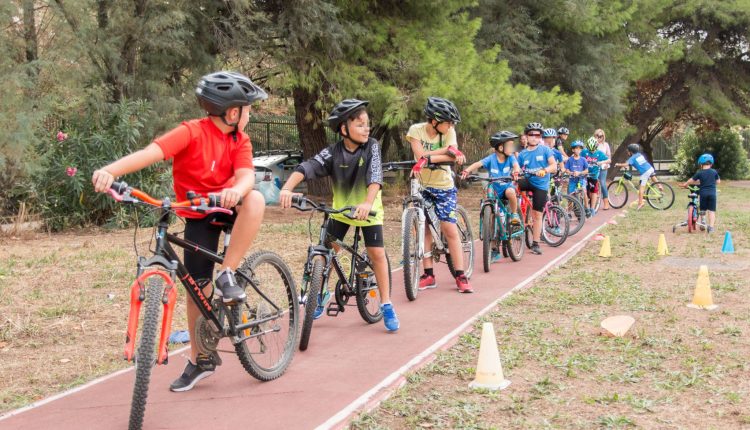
column 348, row 365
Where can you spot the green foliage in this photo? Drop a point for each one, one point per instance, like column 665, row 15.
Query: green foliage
column 731, row 159
column 93, row 142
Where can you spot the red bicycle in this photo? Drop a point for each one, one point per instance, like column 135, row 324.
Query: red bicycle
column 554, row 219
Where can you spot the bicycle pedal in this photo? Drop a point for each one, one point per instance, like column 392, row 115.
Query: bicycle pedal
column 334, row 309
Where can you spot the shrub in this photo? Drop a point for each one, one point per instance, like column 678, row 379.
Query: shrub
column 62, row 185
column 731, row 160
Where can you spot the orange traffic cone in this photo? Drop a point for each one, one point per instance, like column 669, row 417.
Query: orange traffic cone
column 702, row 298
column 489, row 368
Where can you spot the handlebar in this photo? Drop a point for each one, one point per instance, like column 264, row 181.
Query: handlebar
column 121, row 192
column 301, row 204
column 407, row 165
column 477, row 178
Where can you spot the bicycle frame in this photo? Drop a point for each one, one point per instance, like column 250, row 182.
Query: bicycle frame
column 416, row 200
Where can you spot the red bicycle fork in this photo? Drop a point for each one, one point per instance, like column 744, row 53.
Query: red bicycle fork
column 137, row 297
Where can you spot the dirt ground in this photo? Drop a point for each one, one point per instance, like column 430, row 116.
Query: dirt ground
column 64, row 297
column 678, row 368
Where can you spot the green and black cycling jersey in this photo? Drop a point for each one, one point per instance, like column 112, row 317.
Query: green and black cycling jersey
column 352, row 173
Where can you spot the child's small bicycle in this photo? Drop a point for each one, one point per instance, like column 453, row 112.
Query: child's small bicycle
column 696, row 219
column 659, row 195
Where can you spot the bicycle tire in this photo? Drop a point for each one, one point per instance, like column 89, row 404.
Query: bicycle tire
column 666, row 197
column 514, row 246
column 409, row 245
column 618, row 194
column 488, row 219
column 249, row 359
column 528, row 232
column 146, row 353
column 364, row 296
column 575, row 210
column 561, row 222
column 467, row 243
column 311, row 302
column 691, row 219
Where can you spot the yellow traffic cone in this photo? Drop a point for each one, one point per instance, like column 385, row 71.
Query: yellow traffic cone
column 605, row 252
column 618, row 325
column 702, row 298
column 489, row 369
column 662, row 249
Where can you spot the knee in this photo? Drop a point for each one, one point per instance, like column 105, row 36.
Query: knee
column 254, row 201
column 377, row 254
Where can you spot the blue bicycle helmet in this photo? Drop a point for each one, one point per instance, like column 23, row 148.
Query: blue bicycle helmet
column 577, row 144
column 549, row 132
column 706, row 159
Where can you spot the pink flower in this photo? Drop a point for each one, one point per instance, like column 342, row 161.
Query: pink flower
column 61, row 136
column 71, row 171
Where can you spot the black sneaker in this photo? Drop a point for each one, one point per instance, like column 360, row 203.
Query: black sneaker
column 192, row 374
column 536, row 249
column 227, row 288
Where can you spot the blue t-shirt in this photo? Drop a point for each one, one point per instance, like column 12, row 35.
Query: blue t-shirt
column 495, row 168
column 592, row 158
column 639, row 162
column 557, row 154
column 578, row 165
column 536, row 160
column 708, row 179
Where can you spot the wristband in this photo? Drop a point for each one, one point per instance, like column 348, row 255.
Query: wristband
column 455, row 152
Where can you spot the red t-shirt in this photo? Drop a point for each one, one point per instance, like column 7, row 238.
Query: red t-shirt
column 205, row 158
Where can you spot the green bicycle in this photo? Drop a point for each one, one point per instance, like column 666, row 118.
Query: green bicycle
column 659, row 195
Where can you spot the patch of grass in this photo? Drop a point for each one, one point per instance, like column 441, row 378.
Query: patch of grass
column 731, row 330
column 615, row 422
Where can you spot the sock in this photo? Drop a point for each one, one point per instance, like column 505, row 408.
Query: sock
column 459, row 273
column 429, row 272
column 386, row 303
column 535, row 243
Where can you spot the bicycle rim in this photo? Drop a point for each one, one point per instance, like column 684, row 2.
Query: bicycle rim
column 618, row 194
column 660, row 199
column 409, row 244
column 555, row 226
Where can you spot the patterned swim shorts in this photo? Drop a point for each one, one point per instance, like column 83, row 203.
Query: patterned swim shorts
column 445, row 203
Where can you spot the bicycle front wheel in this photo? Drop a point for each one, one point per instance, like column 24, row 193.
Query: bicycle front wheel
column 555, row 226
column 514, row 246
column 576, row 213
column 409, row 250
column 146, row 354
column 618, row 194
column 467, row 243
column 487, row 230
column 660, row 196
column 266, row 350
column 368, row 292
column 311, row 299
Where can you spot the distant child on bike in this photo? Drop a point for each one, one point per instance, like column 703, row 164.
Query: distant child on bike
column 576, row 166
column 211, row 155
column 562, row 137
column 434, row 141
column 549, row 136
column 706, row 178
column 595, row 159
column 354, row 165
column 644, row 168
column 539, row 160
column 501, row 163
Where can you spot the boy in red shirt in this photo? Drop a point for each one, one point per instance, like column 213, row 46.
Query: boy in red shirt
column 212, row 155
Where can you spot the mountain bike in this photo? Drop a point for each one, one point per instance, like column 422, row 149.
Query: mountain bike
column 358, row 281
column 263, row 329
column 659, row 195
column 418, row 215
column 696, row 219
column 572, row 204
column 496, row 231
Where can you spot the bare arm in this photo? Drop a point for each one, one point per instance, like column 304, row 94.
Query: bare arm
column 103, row 178
column 363, row 209
column 285, row 197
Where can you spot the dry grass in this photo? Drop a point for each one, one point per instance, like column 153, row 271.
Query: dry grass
column 683, row 368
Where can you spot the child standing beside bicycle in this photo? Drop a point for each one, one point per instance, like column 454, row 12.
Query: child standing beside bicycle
column 706, row 178
column 644, row 168
column 501, row 163
column 211, row 155
column 577, row 167
column 595, row 159
column 354, row 165
column 434, row 141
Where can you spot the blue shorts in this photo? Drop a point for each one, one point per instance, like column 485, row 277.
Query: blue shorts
column 445, row 202
column 573, row 184
column 500, row 188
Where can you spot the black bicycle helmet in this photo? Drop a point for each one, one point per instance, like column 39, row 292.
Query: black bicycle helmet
column 501, row 137
column 220, row 91
column 442, row 110
column 563, row 130
column 343, row 111
column 533, row 126
column 634, row 148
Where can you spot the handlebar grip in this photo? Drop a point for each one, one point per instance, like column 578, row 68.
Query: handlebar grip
column 119, row 187
column 298, row 200
column 214, row 200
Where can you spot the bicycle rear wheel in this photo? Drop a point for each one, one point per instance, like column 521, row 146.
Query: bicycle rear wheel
column 467, row 243
column 314, row 289
column 409, row 250
column 368, row 292
column 660, row 199
column 618, row 194
column 514, row 246
column 146, row 354
column 272, row 298
column 555, row 226
column 576, row 213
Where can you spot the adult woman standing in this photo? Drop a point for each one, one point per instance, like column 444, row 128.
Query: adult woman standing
column 603, row 146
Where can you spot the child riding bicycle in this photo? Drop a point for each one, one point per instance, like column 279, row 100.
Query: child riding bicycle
column 595, row 159
column 706, row 179
column 212, row 155
column 501, row 163
column 434, row 141
column 354, row 165
column 576, row 166
column 644, row 168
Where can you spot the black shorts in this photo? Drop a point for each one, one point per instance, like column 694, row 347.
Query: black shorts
column 373, row 234
column 708, row 202
column 204, row 232
column 592, row 185
column 539, row 197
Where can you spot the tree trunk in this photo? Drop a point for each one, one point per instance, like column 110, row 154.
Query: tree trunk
column 29, row 36
column 312, row 135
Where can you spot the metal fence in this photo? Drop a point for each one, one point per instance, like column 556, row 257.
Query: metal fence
column 273, row 132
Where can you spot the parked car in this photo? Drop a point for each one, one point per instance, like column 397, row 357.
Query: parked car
column 278, row 165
